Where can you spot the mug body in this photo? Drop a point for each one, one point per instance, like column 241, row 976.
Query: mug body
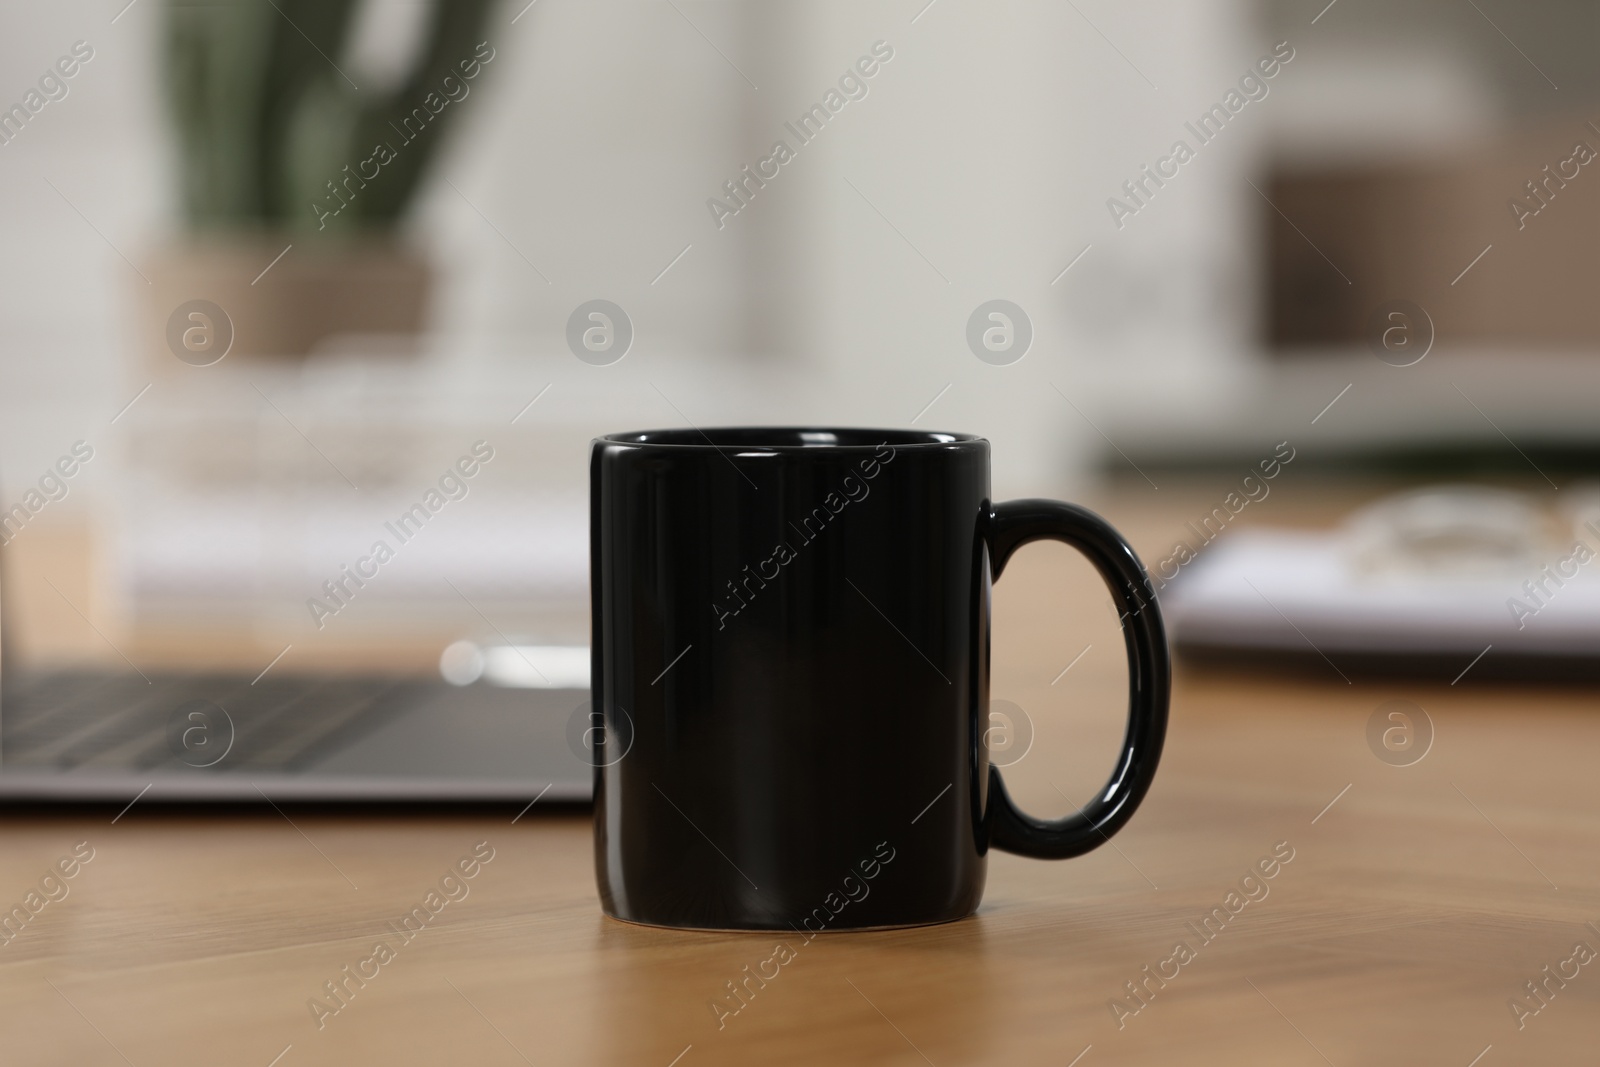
column 791, row 675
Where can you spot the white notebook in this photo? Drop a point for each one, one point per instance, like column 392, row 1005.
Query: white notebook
column 1269, row 589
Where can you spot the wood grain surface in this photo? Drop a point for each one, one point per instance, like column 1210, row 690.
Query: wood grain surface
column 1418, row 903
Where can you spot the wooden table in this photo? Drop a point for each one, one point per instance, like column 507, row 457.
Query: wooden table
column 1418, row 902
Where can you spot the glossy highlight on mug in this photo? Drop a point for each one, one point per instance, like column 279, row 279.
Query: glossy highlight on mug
column 854, row 489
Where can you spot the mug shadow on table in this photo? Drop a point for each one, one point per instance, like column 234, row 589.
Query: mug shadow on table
column 875, row 995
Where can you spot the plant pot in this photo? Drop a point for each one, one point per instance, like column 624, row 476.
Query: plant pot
column 277, row 304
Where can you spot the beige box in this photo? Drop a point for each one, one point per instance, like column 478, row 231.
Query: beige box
column 1364, row 236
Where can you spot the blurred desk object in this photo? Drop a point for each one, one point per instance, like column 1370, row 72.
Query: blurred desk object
column 1420, row 584
column 1419, row 902
column 1411, row 229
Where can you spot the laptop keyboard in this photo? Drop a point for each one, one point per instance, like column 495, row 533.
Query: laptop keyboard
column 78, row 719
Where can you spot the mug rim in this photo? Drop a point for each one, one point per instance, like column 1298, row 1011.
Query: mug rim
column 802, row 439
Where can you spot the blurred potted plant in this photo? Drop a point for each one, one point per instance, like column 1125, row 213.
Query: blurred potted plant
column 279, row 150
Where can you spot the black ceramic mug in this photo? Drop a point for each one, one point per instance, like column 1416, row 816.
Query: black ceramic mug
column 791, row 672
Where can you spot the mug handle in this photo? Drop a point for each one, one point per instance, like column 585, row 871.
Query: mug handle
column 1012, row 525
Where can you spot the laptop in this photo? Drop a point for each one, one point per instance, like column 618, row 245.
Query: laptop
column 510, row 724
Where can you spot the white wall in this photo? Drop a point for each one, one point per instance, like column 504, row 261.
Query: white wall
column 991, row 142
